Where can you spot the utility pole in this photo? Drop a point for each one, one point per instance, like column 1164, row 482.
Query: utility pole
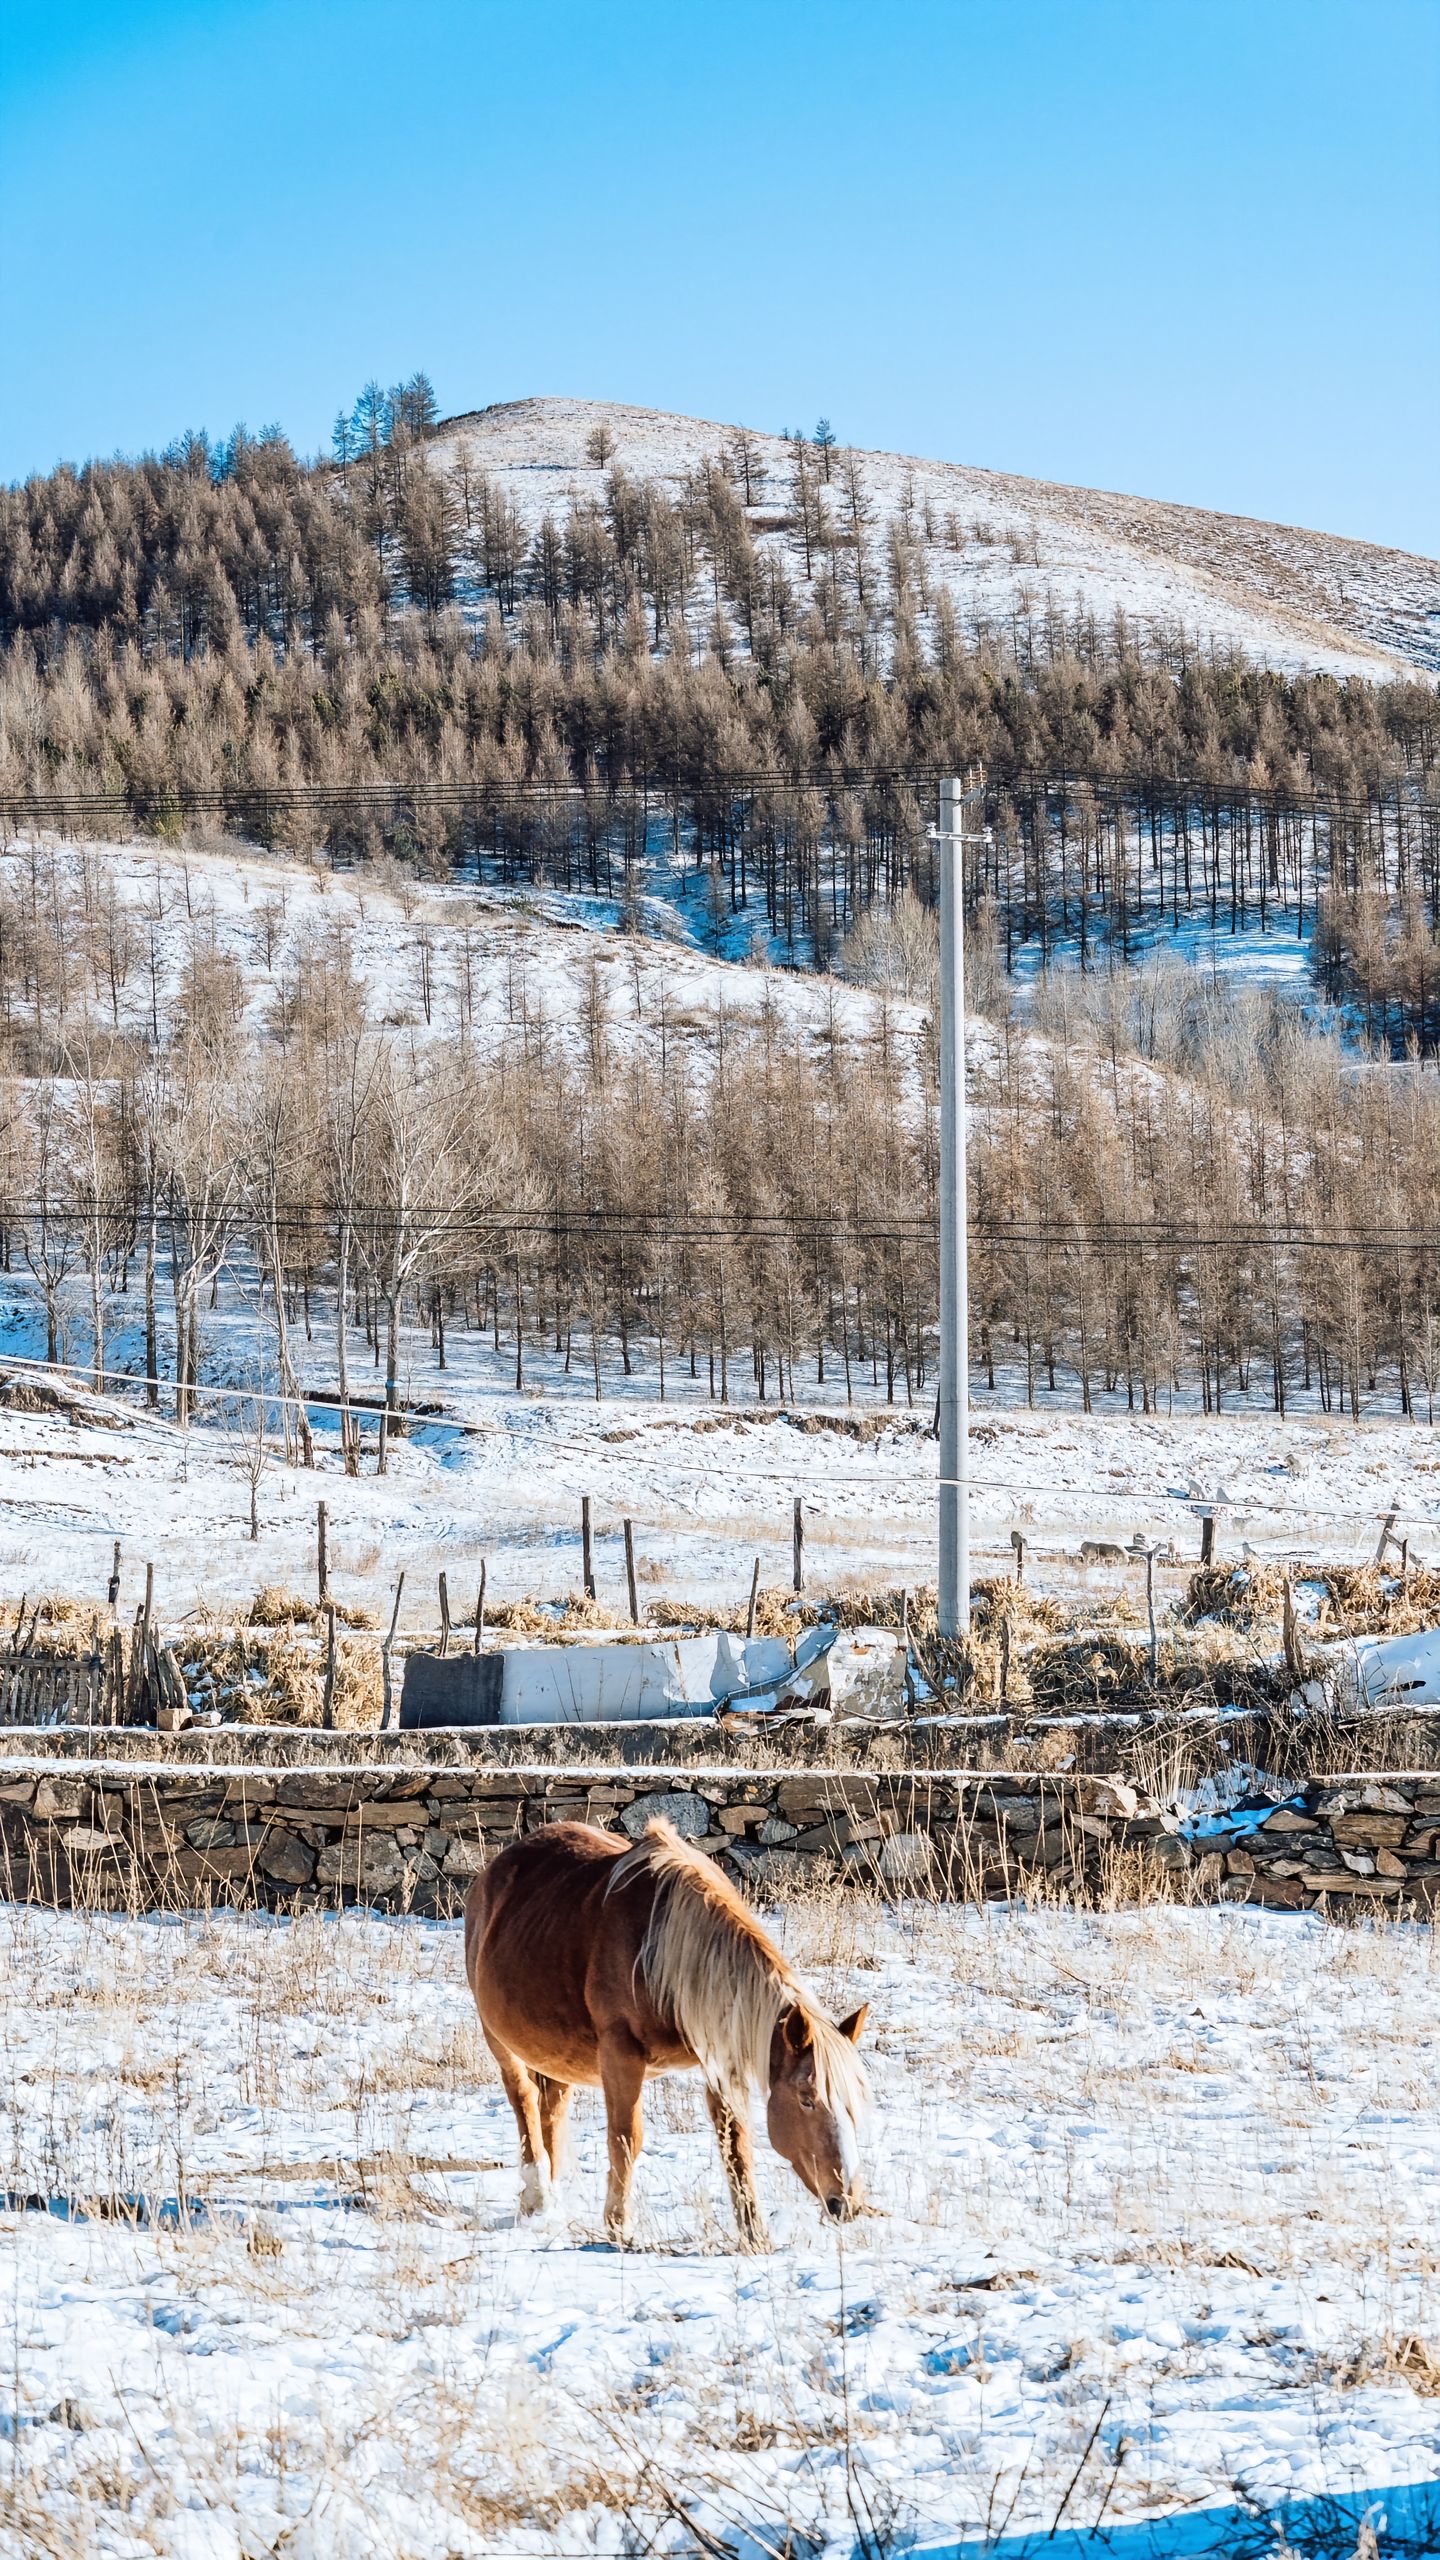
column 954, row 1610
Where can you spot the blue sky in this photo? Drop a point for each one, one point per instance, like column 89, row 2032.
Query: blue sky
column 1185, row 247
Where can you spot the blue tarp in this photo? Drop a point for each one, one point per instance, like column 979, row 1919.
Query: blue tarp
column 1250, row 1817
column 1405, row 2520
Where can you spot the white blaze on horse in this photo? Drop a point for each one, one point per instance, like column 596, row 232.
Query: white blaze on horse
column 595, row 1962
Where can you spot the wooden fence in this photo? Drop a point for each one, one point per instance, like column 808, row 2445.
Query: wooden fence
column 57, row 1688
column 120, row 1679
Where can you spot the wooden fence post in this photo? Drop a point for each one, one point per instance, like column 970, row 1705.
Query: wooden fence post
column 1387, row 1536
column 327, row 1712
column 1017, row 1541
column 112, row 1596
column 444, row 1617
column 630, row 1573
column 798, row 1544
column 322, row 1553
column 587, row 1547
column 139, row 1656
column 754, row 1596
column 480, row 1609
column 1294, row 1658
column 385, row 1658
column 115, row 1682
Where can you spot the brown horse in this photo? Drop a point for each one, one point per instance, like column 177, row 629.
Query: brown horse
column 591, row 1960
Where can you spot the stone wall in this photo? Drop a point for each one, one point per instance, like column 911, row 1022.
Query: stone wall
column 409, row 1837
column 1351, row 1840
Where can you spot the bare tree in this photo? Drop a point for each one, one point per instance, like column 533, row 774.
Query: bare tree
column 420, row 1177
column 244, row 1419
column 354, row 1068
column 277, row 1156
column 96, row 1177
column 48, row 1235
column 197, row 1142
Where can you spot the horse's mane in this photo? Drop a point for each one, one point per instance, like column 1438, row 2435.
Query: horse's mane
column 715, row 1976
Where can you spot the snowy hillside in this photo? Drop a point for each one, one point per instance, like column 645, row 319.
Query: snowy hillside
column 1290, row 598
column 495, row 1473
column 455, row 962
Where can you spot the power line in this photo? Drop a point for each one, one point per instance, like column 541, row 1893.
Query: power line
column 1176, row 792
column 624, row 1226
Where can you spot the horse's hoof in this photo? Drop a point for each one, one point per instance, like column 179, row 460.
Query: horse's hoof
column 534, row 2192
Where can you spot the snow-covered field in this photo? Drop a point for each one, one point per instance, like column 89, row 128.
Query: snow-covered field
column 501, row 1477
column 1289, row 598
column 1155, row 2202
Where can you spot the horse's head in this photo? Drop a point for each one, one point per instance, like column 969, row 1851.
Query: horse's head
column 814, row 2094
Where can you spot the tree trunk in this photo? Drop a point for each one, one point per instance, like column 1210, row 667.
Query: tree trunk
column 152, row 1367
column 289, row 1383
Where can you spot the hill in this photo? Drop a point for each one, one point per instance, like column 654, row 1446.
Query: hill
column 998, row 544
column 569, row 645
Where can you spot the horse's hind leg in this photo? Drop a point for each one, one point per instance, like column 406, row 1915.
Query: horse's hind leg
column 733, row 2135
column 524, row 2097
column 622, row 2077
column 554, row 2108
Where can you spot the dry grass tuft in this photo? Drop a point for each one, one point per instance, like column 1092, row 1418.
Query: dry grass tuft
column 777, row 1613
column 580, row 1612
column 1417, row 2362
column 1235, row 1595
column 53, row 1623
column 273, row 1672
column 1354, row 1599
column 273, row 1606
column 523, row 1617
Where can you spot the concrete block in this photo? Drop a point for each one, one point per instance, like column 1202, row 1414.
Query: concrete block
column 635, row 1683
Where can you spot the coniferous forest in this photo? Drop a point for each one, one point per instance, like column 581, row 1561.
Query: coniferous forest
column 366, row 658
column 369, row 651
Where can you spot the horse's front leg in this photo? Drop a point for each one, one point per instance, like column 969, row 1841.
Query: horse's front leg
column 732, row 2132
column 554, row 2108
column 520, row 2089
column 622, row 2077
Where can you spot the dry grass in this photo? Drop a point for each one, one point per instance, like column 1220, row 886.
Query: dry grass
column 274, row 1673
column 1354, row 1599
column 777, row 1613
column 52, row 1623
column 275, row 1607
column 28, row 1394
